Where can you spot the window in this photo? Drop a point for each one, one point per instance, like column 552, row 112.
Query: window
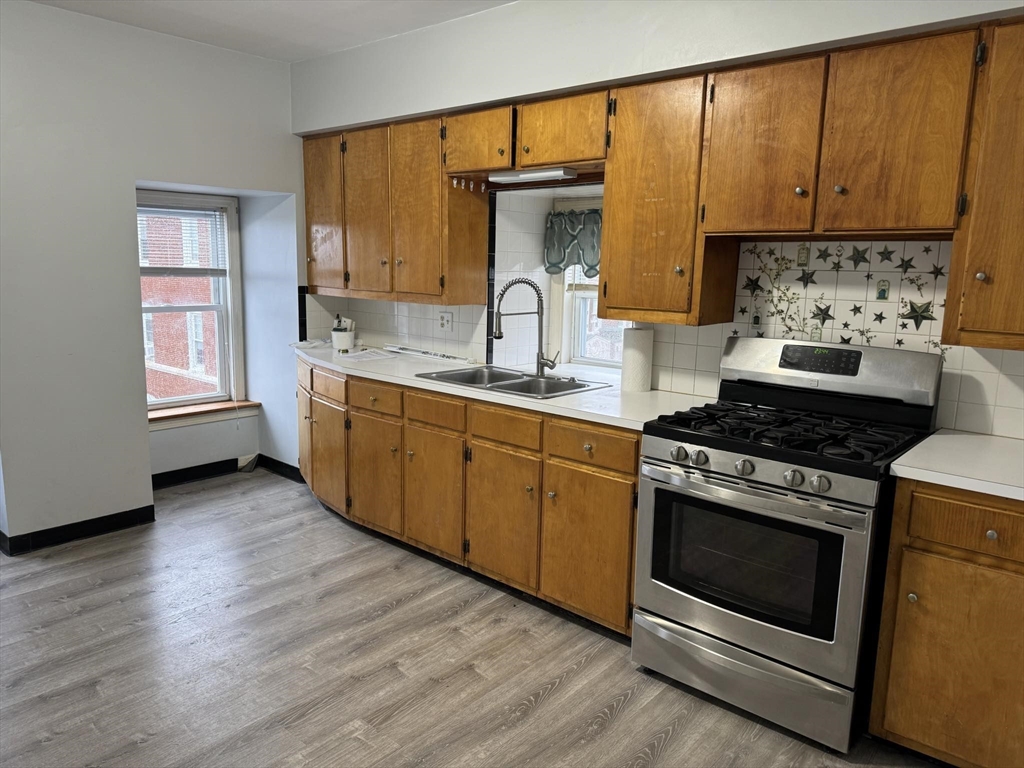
column 191, row 298
column 590, row 339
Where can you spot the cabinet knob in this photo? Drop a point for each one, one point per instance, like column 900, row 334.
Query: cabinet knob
column 309, row 260
column 312, row 420
column 410, row 454
column 526, row 150
column 587, row 447
column 839, row 188
column 912, row 597
column 981, row 276
column 394, row 449
column 399, row 262
column 991, row 534
column 551, row 494
column 800, row 191
column 383, row 262
column 501, row 150
column 372, row 399
column 678, row 270
column 529, row 489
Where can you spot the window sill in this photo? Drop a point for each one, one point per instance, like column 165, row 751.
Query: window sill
column 224, row 410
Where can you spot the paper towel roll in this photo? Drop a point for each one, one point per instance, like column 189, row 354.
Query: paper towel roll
column 637, row 359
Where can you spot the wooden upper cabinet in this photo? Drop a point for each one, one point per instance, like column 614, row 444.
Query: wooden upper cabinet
column 988, row 249
column 569, row 130
column 416, row 206
column 650, row 195
column 764, row 127
column 895, row 127
column 325, row 236
column 367, row 211
column 479, row 141
column 956, row 680
column 328, row 453
column 434, row 463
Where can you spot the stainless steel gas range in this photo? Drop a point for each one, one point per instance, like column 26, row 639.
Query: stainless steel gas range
column 757, row 519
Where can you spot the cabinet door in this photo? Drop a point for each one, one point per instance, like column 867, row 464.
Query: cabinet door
column 325, row 235
column 328, row 453
column 479, row 141
column 956, row 680
column 367, row 214
column 650, row 195
column 568, row 130
column 765, row 130
column 305, row 438
column 503, row 513
column 586, row 541
column 895, row 127
column 992, row 242
column 434, row 465
column 416, row 206
column 375, row 471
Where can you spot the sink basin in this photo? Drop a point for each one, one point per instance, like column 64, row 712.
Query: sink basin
column 543, row 387
column 476, row 377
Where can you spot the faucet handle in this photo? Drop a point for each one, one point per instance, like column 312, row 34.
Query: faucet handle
column 554, row 360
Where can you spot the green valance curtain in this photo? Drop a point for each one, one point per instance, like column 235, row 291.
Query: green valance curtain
column 573, row 237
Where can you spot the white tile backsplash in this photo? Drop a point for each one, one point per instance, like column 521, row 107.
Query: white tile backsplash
column 982, row 389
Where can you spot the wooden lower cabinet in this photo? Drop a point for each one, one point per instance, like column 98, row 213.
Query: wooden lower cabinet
column 305, row 434
column 586, row 542
column 503, row 513
column 950, row 674
column 434, row 485
column 328, row 455
column 375, row 471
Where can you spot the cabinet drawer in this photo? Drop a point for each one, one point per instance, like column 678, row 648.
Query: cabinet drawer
column 375, row 397
column 958, row 523
column 329, row 385
column 590, row 446
column 305, row 373
column 506, row 427
column 440, row 411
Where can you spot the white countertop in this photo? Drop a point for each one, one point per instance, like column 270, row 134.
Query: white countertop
column 603, row 406
column 982, row 463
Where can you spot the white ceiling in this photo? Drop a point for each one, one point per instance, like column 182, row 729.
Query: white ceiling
column 287, row 30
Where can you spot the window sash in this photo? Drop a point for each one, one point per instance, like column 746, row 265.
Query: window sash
column 578, row 336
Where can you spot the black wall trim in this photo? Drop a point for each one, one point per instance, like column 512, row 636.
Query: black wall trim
column 188, row 474
column 303, row 290
column 50, row 537
column 279, row 468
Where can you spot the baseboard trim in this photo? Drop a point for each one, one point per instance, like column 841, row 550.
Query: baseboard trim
column 51, row 537
column 189, row 474
column 279, row 468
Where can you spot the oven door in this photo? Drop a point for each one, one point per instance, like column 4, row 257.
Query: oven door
column 773, row 573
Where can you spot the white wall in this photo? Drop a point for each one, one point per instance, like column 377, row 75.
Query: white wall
column 538, row 46
column 87, row 109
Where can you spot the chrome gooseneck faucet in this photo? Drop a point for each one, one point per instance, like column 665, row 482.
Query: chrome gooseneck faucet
column 542, row 362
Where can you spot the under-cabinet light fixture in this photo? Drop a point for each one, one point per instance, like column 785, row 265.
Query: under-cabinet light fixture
column 541, row 174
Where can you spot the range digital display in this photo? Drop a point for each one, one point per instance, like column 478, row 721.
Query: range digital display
column 838, row 362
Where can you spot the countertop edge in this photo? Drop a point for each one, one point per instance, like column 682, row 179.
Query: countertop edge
column 962, row 482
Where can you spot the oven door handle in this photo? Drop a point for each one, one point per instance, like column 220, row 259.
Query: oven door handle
column 753, row 500
column 800, row 682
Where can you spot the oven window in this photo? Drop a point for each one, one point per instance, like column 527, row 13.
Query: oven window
column 775, row 571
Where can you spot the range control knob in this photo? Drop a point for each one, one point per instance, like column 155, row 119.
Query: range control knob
column 820, row 484
column 794, row 478
column 698, row 458
column 744, row 467
column 678, row 453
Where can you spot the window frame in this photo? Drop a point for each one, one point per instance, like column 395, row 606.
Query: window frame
column 231, row 374
column 574, row 293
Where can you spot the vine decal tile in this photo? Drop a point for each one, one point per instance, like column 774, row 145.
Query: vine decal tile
column 884, row 294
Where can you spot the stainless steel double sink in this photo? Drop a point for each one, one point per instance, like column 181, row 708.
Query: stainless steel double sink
column 495, row 379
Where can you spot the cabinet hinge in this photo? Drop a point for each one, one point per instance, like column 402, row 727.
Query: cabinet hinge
column 347, row 278
column 961, row 205
column 444, row 132
column 344, row 146
column 465, row 546
column 348, row 423
column 980, row 53
column 604, row 289
column 636, row 499
column 711, row 94
column 348, row 501
column 613, row 105
column 442, row 282
column 702, row 213
column 468, row 453
column 444, row 158
column 608, row 140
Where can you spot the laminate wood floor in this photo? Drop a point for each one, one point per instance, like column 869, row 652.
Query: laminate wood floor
column 250, row 627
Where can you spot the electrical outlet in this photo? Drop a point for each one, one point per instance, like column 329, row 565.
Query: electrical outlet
column 447, row 321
